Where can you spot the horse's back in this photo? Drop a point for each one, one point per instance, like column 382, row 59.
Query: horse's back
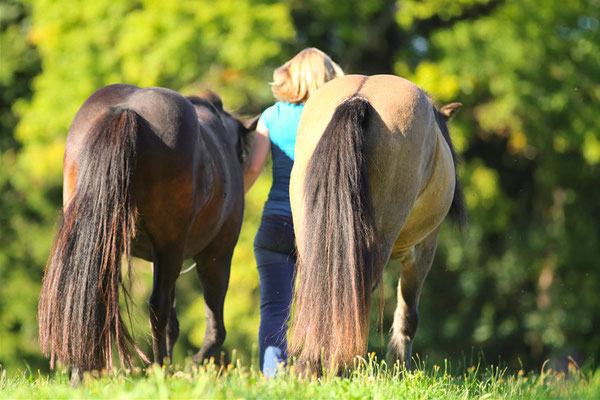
column 397, row 103
column 170, row 125
column 411, row 175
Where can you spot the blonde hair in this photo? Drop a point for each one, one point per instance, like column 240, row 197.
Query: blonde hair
column 296, row 80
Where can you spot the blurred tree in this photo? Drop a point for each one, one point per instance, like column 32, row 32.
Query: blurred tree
column 19, row 63
column 362, row 36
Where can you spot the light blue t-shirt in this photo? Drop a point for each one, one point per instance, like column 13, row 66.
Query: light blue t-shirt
column 281, row 120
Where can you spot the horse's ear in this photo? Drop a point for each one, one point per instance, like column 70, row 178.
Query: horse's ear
column 450, row 109
column 251, row 123
column 213, row 98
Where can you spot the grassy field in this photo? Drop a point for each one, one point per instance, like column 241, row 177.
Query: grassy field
column 371, row 380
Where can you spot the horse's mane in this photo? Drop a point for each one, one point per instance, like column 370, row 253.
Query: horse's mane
column 212, row 101
column 202, row 101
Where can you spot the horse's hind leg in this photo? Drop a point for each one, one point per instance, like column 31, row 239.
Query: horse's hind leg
column 213, row 269
column 167, row 265
column 415, row 267
column 172, row 327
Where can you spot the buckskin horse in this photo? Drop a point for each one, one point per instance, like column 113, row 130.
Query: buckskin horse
column 146, row 173
column 374, row 176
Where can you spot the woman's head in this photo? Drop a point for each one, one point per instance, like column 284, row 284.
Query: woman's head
column 296, row 80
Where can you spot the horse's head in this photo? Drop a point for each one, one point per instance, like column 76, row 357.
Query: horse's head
column 237, row 131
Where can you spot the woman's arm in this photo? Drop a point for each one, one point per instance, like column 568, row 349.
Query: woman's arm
column 258, row 156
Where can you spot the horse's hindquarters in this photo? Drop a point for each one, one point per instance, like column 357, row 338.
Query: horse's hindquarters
column 410, row 168
column 370, row 162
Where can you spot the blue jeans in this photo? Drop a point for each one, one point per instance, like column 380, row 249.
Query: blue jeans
column 274, row 249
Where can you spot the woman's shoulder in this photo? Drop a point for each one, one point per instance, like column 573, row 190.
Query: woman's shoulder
column 273, row 110
column 289, row 110
column 281, row 110
column 281, row 105
column 294, row 106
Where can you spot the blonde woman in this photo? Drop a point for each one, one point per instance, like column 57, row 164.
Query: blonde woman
column 293, row 83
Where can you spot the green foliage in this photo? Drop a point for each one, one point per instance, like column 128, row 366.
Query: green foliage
column 19, row 238
column 445, row 10
column 20, row 63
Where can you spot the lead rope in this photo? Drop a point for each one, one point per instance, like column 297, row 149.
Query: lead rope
column 189, row 269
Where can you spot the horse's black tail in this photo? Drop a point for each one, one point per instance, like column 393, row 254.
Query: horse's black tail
column 335, row 275
column 79, row 318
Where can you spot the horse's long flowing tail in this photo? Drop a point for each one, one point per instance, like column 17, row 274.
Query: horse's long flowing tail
column 79, row 318
column 335, row 275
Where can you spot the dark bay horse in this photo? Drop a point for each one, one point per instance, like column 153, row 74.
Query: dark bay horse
column 146, row 173
column 373, row 178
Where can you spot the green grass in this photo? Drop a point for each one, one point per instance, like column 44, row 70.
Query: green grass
column 370, row 380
